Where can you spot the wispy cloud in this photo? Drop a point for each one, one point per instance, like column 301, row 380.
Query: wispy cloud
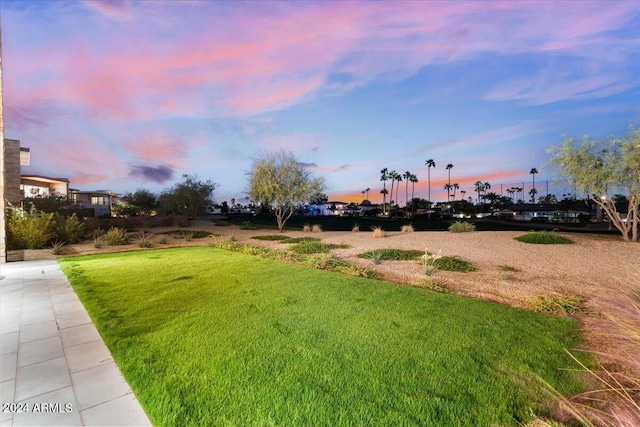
column 119, row 10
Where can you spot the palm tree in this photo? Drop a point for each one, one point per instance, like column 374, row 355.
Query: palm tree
column 393, row 176
column 367, row 190
column 533, row 173
column 533, row 193
column 384, row 176
column 362, row 192
column 448, row 187
column 406, row 176
column 430, row 163
column 455, row 188
column 479, row 187
column 511, row 191
column 449, row 167
column 413, row 178
column 384, row 193
column 463, row 192
column 399, row 179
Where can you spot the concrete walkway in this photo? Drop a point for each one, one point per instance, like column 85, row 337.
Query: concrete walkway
column 54, row 365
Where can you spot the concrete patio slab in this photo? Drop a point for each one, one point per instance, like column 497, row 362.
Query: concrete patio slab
column 53, row 363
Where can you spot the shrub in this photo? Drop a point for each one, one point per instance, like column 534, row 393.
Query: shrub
column 316, row 228
column 116, row 236
column 162, row 239
column 462, row 227
column 556, row 304
column 356, row 228
column 272, row 237
column 143, row 240
column 220, row 223
column 68, row 230
column 306, row 228
column 377, row 232
column 543, row 238
column 454, row 263
column 432, row 285
column 188, row 236
column 301, row 239
column 28, row 229
column 191, row 234
column 394, row 254
column 407, row 228
column 56, row 247
column 315, row 247
column 98, row 242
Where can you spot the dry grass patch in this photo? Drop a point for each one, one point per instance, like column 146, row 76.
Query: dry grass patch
column 407, row 228
column 378, row 232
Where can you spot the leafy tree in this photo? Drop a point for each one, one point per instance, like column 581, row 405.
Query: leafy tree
column 190, row 197
column 142, row 202
column 596, row 167
column 279, row 180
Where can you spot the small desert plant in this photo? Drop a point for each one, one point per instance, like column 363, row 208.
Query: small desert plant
column 556, row 304
column 98, row 242
column 232, row 238
column 543, row 238
column 306, row 228
column 188, row 236
column 407, row 228
column 462, row 227
column 355, row 228
column 508, row 268
column 316, row 228
column 98, row 232
column 116, row 236
column 56, row 247
column 143, row 240
column 430, row 262
column 377, row 232
column 377, row 257
column 505, row 276
column 162, row 239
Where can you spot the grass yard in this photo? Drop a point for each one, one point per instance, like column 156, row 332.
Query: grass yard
column 213, row 337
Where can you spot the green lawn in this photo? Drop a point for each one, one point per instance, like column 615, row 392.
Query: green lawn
column 212, row 337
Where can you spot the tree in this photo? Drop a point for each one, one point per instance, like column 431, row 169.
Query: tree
column 407, row 177
column 455, row 186
column 595, row 167
column 413, row 178
column 478, row 186
column 367, row 191
column 393, row 176
column 430, row 164
column 384, row 176
column 190, row 197
column 533, row 191
column 279, row 180
column 449, row 167
column 143, row 202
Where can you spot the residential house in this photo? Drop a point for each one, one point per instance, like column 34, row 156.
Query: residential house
column 100, row 202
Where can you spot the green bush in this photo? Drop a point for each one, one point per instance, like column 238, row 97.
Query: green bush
column 543, row 238
column 462, row 227
column 68, row 230
column 272, row 237
column 29, row 229
column 454, row 263
column 394, row 254
column 116, row 236
column 310, row 247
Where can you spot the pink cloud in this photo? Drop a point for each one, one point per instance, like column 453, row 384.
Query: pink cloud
column 155, row 146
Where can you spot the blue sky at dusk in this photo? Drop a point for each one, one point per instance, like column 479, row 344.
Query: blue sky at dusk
column 123, row 95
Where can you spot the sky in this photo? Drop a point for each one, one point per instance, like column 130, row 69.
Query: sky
column 125, row 95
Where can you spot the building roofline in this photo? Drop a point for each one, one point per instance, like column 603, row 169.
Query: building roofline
column 44, row 178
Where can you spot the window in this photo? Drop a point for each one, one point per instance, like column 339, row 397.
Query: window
column 99, row 200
